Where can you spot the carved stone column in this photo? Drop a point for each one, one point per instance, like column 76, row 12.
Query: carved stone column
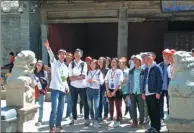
column 25, row 26
column 44, row 35
column 122, row 33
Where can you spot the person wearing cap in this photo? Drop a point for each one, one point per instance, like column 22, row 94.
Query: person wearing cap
column 77, row 75
column 164, row 65
column 58, row 86
column 152, row 88
column 134, row 83
column 170, row 68
column 131, row 63
column 41, row 77
column 88, row 60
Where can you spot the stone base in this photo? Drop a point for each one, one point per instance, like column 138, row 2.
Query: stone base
column 26, row 122
column 182, row 108
column 18, row 97
column 179, row 125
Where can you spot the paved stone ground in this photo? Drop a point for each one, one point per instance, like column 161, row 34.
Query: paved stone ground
column 79, row 127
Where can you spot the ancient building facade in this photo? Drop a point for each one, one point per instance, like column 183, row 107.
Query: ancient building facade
column 30, row 28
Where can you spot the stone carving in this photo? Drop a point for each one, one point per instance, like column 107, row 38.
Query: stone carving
column 7, row 6
column 20, row 84
column 181, row 94
column 182, row 85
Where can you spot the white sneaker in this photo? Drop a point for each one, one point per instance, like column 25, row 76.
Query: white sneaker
column 96, row 124
column 111, row 124
column 91, row 122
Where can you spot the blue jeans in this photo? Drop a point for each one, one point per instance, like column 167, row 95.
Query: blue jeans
column 103, row 103
column 93, row 96
column 69, row 105
column 57, row 107
column 40, row 101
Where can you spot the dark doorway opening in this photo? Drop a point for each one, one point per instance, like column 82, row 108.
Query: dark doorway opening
column 95, row 39
column 181, row 26
column 180, row 35
column 147, row 37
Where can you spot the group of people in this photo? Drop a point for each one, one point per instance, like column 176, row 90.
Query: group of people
column 103, row 83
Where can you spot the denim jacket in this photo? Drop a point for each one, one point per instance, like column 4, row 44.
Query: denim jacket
column 155, row 80
column 130, row 80
column 161, row 65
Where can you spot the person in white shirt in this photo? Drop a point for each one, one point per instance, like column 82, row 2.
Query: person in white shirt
column 170, row 68
column 58, row 86
column 94, row 81
column 77, row 75
column 113, row 80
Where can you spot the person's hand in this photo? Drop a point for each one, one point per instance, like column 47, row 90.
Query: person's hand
column 143, row 96
column 125, row 79
column 46, row 44
column 89, row 80
column 113, row 93
column 93, row 80
column 157, row 96
column 108, row 93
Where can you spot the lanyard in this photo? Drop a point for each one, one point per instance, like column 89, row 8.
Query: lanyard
column 113, row 74
column 92, row 75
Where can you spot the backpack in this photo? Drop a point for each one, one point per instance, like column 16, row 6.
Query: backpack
column 82, row 66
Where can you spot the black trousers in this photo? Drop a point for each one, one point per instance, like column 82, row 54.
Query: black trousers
column 83, row 96
column 153, row 105
column 164, row 94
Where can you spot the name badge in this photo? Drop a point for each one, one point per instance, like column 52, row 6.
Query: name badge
column 112, row 86
column 63, row 78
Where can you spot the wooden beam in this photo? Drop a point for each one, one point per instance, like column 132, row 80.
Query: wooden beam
column 143, row 12
column 102, row 5
column 83, row 14
column 90, row 20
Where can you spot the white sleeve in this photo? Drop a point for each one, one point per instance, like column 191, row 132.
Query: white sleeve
column 107, row 76
column 168, row 71
column 85, row 69
column 70, row 70
column 121, row 78
column 101, row 79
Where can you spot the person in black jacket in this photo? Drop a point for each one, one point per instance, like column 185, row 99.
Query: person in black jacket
column 152, row 88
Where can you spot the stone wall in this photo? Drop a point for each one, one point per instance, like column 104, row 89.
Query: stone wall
column 10, row 24
column 21, row 31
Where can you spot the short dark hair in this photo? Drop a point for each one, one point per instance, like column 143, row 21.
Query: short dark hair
column 192, row 50
column 79, row 50
column 11, row 53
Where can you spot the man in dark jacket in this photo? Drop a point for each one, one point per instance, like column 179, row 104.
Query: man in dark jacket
column 152, row 89
column 163, row 66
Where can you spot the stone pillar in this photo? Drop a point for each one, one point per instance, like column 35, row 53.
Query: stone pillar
column 122, row 33
column 181, row 94
column 44, row 35
column 25, row 29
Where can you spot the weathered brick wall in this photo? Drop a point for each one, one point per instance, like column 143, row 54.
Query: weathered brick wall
column 21, row 31
column 10, row 24
column 35, row 31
